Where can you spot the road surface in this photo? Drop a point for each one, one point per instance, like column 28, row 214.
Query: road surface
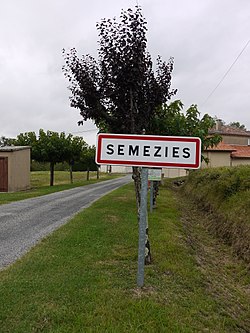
column 24, row 223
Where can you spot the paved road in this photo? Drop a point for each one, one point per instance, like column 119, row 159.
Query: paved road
column 24, row 223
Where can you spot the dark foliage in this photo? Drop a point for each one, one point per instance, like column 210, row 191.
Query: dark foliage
column 86, row 160
column 6, row 141
column 120, row 91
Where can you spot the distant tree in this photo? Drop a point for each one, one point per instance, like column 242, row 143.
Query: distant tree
column 6, row 141
column 236, row 124
column 87, row 160
column 52, row 147
column 26, row 139
column 120, row 91
column 75, row 147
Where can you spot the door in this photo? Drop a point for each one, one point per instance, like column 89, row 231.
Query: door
column 3, row 174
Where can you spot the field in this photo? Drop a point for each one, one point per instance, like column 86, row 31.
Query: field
column 82, row 278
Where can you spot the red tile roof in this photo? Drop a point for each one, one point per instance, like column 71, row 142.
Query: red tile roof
column 241, row 152
column 236, row 151
column 221, row 147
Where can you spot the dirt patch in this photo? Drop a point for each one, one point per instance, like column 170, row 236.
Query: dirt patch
column 144, row 291
column 112, row 218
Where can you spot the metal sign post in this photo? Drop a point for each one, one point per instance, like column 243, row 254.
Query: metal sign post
column 142, row 227
column 151, row 195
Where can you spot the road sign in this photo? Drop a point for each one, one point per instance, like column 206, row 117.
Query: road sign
column 154, row 174
column 149, row 151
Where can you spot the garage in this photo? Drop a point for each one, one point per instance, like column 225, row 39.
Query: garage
column 14, row 168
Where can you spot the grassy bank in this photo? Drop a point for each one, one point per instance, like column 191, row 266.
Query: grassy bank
column 40, row 184
column 82, row 278
column 225, row 193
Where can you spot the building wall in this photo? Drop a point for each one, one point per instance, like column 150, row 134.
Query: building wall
column 168, row 173
column 235, row 140
column 240, row 161
column 174, row 172
column 18, row 169
column 116, row 168
column 217, row 159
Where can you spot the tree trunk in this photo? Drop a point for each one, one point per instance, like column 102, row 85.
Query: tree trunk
column 132, row 111
column 148, row 258
column 71, row 173
column 88, row 174
column 52, row 165
column 155, row 192
column 137, row 182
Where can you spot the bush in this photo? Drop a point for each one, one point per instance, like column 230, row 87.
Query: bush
column 45, row 166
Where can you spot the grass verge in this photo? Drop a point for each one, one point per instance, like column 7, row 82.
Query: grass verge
column 82, row 278
column 40, row 184
column 225, row 193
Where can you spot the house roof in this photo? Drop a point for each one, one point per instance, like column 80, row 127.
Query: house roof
column 241, row 152
column 13, row 148
column 229, row 130
column 237, row 151
column 221, row 147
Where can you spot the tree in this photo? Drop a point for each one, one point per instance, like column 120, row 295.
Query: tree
column 75, row 147
column 120, row 92
column 52, row 147
column 6, row 141
column 26, row 139
column 171, row 120
column 87, row 160
column 238, row 125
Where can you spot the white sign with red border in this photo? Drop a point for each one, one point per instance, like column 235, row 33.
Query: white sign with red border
column 148, row 151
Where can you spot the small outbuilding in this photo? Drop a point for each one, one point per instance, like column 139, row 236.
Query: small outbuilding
column 14, row 168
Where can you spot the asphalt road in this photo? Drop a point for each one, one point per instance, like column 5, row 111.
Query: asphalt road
column 24, row 223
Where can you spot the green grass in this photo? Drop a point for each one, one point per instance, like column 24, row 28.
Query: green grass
column 40, row 184
column 226, row 193
column 82, row 278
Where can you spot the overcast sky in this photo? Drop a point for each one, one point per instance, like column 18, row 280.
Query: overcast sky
column 208, row 40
